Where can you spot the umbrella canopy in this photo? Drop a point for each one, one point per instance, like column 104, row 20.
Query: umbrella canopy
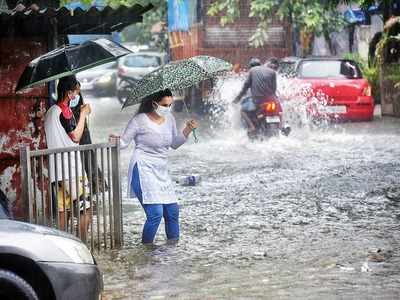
column 69, row 60
column 177, row 75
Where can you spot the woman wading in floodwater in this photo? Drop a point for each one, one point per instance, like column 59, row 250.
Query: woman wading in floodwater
column 153, row 131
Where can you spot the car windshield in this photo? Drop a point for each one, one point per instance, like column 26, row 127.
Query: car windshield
column 329, row 68
column 142, row 61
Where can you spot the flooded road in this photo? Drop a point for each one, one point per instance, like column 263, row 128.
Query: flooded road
column 312, row 216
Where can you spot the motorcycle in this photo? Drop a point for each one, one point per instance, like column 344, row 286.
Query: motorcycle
column 267, row 118
column 124, row 88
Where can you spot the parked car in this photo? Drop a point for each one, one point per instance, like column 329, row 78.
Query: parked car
column 41, row 263
column 100, row 81
column 133, row 67
column 337, row 89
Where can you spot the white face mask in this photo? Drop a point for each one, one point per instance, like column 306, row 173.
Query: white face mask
column 74, row 101
column 162, row 111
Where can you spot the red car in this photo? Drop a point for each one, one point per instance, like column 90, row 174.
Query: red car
column 335, row 89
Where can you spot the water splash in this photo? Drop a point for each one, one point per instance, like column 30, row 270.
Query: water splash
column 297, row 101
column 310, row 206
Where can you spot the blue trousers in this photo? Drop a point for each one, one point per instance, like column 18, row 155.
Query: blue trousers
column 154, row 214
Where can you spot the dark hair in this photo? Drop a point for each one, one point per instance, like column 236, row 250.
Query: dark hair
column 273, row 63
column 147, row 104
column 65, row 85
column 254, row 62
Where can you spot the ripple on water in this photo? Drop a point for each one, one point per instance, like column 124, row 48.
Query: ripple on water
column 287, row 218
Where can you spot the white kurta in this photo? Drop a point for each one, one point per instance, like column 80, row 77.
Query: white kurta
column 56, row 137
column 151, row 146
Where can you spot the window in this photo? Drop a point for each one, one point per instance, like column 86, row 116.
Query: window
column 329, row 69
column 142, row 61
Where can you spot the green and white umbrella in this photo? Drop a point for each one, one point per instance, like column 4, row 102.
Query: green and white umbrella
column 177, row 75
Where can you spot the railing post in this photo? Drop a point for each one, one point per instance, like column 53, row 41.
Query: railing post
column 117, row 196
column 25, row 165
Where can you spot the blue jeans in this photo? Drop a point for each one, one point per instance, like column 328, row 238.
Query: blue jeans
column 154, row 213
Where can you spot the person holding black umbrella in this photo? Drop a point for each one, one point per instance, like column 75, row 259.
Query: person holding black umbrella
column 63, row 130
column 153, row 131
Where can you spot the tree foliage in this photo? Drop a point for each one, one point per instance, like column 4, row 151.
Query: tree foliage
column 309, row 16
column 141, row 32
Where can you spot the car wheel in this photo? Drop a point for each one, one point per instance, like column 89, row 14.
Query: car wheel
column 13, row 287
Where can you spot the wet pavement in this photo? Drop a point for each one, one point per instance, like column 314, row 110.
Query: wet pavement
column 312, row 216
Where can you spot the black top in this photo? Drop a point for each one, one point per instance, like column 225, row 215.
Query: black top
column 68, row 124
column 85, row 139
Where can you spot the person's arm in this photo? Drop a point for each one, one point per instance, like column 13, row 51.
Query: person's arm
column 273, row 83
column 179, row 138
column 244, row 89
column 76, row 134
column 190, row 125
column 129, row 133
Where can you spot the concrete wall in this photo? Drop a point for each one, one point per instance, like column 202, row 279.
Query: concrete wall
column 21, row 115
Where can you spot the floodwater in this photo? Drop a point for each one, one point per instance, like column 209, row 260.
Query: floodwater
column 312, row 216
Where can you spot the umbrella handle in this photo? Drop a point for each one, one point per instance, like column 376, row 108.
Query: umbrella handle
column 196, row 140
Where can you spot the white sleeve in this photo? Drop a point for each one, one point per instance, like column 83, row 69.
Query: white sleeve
column 178, row 138
column 129, row 133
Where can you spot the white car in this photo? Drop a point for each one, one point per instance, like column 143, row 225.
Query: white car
column 39, row 262
column 133, row 67
column 136, row 65
column 100, row 80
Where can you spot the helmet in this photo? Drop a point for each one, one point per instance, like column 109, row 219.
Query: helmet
column 273, row 63
column 253, row 62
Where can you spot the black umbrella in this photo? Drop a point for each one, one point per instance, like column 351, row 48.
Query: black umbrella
column 69, row 60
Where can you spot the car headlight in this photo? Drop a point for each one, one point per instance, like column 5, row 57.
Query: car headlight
column 105, row 78
column 75, row 250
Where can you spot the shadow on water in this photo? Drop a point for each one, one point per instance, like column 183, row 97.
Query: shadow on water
column 312, row 216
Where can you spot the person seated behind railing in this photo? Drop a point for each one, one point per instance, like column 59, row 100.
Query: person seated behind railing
column 63, row 130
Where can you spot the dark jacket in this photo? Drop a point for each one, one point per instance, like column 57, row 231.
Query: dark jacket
column 261, row 80
column 85, row 139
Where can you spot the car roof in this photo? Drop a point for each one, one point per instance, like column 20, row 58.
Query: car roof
column 145, row 53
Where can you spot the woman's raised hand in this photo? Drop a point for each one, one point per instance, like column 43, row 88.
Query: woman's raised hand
column 112, row 138
column 86, row 109
column 191, row 126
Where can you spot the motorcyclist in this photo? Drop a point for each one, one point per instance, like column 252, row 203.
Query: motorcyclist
column 261, row 81
column 247, row 103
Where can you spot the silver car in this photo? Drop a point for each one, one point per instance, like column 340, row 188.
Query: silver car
column 136, row 65
column 133, row 67
column 100, row 80
column 38, row 262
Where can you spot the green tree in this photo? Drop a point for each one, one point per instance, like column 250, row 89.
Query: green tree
column 309, row 16
column 141, row 32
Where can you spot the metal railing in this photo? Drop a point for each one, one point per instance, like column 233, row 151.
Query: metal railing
column 76, row 189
